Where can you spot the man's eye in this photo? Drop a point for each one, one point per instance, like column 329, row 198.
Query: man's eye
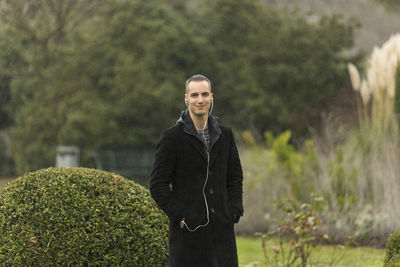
column 194, row 95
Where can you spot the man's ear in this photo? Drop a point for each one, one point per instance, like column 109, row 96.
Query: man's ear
column 186, row 100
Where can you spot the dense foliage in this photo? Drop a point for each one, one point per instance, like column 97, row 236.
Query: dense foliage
column 110, row 74
column 80, row 217
column 392, row 257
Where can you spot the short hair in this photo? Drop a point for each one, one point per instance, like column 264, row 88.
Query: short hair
column 197, row 78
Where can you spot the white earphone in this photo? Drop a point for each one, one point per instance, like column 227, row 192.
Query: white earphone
column 206, row 179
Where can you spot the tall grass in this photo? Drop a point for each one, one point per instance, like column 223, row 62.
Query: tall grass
column 356, row 170
column 367, row 170
column 356, row 173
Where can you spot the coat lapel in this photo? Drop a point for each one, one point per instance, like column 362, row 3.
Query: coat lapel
column 215, row 151
column 197, row 144
column 215, row 138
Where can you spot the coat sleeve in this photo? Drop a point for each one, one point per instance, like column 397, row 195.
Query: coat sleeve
column 161, row 177
column 235, row 179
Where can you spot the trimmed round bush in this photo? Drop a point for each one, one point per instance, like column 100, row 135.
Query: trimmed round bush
column 392, row 253
column 80, row 217
column 394, row 262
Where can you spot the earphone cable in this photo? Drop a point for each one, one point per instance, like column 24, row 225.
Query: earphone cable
column 205, row 183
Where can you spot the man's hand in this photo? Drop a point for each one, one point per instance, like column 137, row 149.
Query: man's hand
column 236, row 218
column 182, row 223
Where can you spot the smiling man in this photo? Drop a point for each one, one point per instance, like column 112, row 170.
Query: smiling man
column 197, row 181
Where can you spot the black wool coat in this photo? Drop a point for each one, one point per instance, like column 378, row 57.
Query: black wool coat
column 177, row 181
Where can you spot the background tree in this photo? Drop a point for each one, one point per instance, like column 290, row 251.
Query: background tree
column 110, row 74
column 5, row 97
column 107, row 84
column 32, row 34
column 272, row 68
column 392, row 5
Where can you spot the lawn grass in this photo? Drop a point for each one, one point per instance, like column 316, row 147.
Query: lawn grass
column 250, row 251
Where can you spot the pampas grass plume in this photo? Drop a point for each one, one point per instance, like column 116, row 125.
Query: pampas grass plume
column 365, row 92
column 391, row 75
column 354, row 76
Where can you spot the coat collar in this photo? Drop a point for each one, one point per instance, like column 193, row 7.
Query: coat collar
column 190, row 129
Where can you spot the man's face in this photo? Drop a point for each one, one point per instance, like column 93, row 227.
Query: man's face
column 198, row 97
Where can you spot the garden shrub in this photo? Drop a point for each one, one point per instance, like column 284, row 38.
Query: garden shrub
column 298, row 169
column 394, row 262
column 392, row 257
column 80, row 216
column 298, row 234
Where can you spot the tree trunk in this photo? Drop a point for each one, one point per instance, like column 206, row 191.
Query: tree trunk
column 7, row 141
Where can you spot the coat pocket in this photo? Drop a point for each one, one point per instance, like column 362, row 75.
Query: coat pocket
column 230, row 212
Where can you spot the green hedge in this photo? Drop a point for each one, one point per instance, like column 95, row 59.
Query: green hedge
column 392, row 257
column 394, row 262
column 78, row 216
